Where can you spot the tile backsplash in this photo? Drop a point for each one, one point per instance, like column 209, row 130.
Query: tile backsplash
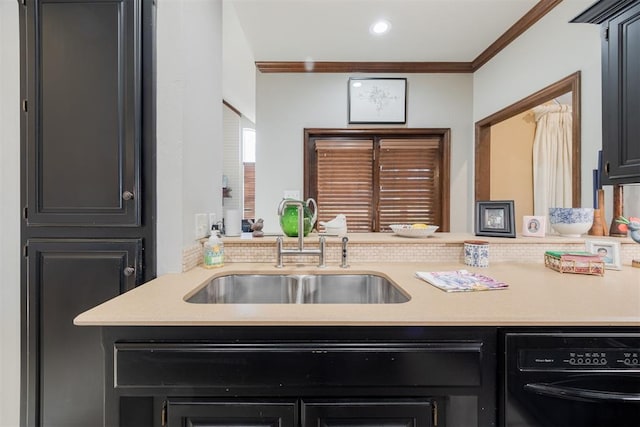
column 387, row 248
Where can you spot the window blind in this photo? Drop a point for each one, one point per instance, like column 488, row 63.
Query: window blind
column 378, row 178
column 344, row 177
column 409, row 182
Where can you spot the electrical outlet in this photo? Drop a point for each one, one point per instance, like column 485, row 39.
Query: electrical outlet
column 201, row 225
column 292, row 194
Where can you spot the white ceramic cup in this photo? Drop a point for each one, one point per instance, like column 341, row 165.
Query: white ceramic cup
column 476, row 253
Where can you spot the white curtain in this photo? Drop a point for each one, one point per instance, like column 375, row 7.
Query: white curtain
column 552, row 166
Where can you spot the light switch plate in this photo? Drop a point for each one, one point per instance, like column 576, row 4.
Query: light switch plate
column 292, row 194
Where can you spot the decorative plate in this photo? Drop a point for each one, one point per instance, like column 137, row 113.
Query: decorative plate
column 407, row 230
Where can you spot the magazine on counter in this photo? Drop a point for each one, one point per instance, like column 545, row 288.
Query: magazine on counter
column 460, row 281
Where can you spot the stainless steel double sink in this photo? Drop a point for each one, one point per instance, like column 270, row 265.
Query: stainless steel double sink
column 299, row 289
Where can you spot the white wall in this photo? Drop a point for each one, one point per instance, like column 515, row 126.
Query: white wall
column 238, row 69
column 232, row 161
column 288, row 103
column 547, row 52
column 631, row 205
column 9, row 215
column 189, row 122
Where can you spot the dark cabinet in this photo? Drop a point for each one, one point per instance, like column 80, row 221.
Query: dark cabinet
column 620, row 23
column 87, row 191
column 369, row 413
column 621, row 97
column 300, row 376
column 313, row 413
column 66, row 364
column 84, row 96
column 231, row 413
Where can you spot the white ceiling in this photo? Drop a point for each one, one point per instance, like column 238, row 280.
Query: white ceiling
column 338, row 30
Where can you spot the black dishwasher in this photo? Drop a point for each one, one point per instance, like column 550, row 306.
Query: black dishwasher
column 571, row 379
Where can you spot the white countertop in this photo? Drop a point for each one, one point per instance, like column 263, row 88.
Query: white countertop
column 537, row 296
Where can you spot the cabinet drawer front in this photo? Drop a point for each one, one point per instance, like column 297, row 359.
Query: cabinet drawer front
column 297, row 365
column 233, row 412
column 368, row 413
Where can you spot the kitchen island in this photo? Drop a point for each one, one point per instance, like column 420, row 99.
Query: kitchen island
column 436, row 359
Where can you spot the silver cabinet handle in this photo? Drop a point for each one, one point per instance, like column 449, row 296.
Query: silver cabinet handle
column 129, row 271
column 127, row 195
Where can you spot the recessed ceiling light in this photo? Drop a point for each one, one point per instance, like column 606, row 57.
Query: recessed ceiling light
column 380, row 27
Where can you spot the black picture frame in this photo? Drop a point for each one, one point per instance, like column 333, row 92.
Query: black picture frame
column 495, row 218
column 377, row 100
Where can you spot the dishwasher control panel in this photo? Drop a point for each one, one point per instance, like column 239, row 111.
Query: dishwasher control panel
column 579, row 358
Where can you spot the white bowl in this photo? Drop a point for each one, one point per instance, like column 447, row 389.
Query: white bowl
column 336, row 231
column 571, row 222
column 407, row 230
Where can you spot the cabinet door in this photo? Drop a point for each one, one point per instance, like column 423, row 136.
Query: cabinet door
column 621, row 98
column 87, row 148
column 369, row 413
column 66, row 368
column 231, row 413
column 83, row 108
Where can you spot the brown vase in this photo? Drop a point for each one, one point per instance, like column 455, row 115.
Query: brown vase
column 615, row 230
column 601, row 207
column 597, row 228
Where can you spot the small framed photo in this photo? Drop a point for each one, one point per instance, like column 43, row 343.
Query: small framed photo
column 607, row 250
column 378, row 100
column 495, row 218
column 533, row 226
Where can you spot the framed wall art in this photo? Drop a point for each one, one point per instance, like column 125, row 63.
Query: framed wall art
column 495, row 218
column 377, row 100
column 533, row 226
column 608, row 251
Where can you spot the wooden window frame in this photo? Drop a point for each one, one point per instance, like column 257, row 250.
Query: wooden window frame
column 311, row 134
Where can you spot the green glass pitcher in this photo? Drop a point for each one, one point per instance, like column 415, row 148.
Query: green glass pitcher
column 288, row 211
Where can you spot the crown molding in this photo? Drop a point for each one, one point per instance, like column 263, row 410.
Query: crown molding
column 363, row 67
column 523, row 24
column 531, row 17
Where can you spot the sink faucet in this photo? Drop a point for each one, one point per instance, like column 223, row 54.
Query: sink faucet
column 300, row 250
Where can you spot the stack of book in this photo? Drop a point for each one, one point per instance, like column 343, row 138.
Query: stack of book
column 574, row 262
